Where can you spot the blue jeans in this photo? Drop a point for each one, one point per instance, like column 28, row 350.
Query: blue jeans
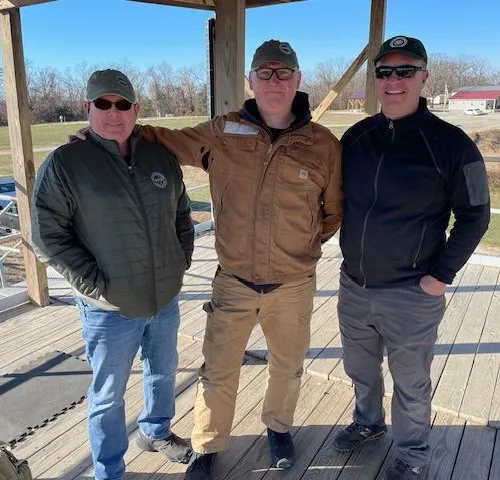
column 111, row 343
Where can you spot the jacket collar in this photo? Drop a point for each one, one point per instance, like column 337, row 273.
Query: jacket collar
column 411, row 122
column 111, row 146
column 300, row 108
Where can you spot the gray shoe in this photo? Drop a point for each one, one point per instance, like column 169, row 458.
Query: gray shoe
column 403, row 471
column 354, row 435
column 173, row 447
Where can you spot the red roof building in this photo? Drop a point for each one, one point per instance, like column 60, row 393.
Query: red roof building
column 484, row 98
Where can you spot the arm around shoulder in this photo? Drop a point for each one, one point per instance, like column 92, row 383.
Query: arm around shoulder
column 191, row 145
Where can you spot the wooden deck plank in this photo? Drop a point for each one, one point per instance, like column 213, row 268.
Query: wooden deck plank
column 475, row 454
column 452, row 321
column 328, row 463
column 453, row 381
column 477, row 402
column 495, row 464
column 444, row 441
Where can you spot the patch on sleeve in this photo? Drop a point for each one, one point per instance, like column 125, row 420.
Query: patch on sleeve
column 477, row 183
column 240, row 128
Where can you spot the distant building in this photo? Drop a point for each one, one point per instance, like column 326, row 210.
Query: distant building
column 484, row 98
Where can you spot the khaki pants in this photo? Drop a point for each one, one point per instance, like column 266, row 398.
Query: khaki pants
column 285, row 316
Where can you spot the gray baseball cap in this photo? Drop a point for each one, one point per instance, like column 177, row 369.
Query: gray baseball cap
column 275, row 51
column 110, row 82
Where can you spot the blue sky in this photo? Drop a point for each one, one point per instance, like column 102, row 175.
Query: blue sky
column 64, row 33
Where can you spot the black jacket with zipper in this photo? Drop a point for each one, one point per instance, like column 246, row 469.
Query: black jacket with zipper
column 402, row 179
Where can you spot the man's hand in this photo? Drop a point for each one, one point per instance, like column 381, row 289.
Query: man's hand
column 81, row 134
column 432, row 286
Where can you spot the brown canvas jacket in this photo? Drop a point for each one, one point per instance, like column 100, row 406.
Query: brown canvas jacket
column 274, row 203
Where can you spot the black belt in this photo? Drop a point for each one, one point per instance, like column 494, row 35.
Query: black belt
column 259, row 288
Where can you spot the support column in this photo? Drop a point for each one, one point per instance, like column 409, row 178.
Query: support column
column 377, row 27
column 229, row 55
column 21, row 147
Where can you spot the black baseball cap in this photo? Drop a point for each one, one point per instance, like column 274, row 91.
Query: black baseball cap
column 409, row 46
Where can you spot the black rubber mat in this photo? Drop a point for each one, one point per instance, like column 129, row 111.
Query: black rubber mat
column 40, row 391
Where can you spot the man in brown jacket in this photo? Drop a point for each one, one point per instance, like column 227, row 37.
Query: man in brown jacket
column 276, row 188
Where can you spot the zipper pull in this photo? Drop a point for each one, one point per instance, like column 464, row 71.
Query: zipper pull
column 130, row 170
column 391, row 125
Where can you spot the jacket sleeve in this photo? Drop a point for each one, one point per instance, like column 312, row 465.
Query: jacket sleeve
column 191, row 145
column 332, row 194
column 470, row 203
column 53, row 236
column 184, row 225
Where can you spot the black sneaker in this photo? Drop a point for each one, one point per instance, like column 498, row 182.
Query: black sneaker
column 403, row 471
column 173, row 447
column 353, row 436
column 200, row 466
column 281, row 449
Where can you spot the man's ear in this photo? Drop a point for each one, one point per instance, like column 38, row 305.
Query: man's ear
column 86, row 107
column 136, row 108
column 250, row 80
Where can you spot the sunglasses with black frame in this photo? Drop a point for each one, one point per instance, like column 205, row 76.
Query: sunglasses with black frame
column 402, row 71
column 122, row 105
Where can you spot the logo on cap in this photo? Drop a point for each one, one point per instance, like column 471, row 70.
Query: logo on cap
column 285, row 48
column 122, row 81
column 398, row 42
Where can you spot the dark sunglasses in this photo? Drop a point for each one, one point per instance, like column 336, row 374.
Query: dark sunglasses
column 402, row 71
column 103, row 104
column 267, row 73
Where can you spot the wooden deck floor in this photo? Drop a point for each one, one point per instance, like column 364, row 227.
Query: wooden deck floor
column 466, row 394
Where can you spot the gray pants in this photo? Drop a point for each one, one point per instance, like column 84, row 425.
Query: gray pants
column 404, row 320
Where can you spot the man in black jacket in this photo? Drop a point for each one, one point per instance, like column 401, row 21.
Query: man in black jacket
column 404, row 172
column 112, row 215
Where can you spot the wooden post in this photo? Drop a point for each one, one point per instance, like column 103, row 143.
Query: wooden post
column 377, row 27
column 229, row 55
column 21, row 146
column 340, row 85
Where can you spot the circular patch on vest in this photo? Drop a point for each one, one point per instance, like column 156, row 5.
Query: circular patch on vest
column 159, row 179
column 398, row 42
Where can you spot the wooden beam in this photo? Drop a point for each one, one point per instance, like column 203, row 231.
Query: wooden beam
column 377, row 27
column 340, row 85
column 21, row 146
column 210, row 4
column 9, row 4
column 229, row 55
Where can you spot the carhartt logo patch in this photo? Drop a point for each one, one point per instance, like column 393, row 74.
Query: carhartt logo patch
column 159, row 179
column 304, row 174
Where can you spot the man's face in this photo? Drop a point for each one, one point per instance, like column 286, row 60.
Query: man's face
column 112, row 124
column 274, row 96
column 399, row 96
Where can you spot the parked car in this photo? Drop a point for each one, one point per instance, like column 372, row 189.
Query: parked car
column 473, row 111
